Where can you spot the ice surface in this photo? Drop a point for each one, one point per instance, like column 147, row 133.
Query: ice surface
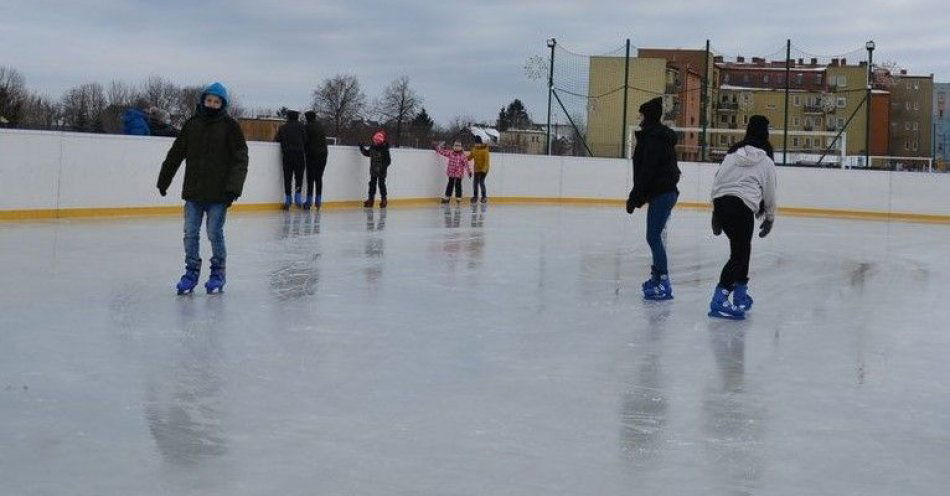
column 445, row 352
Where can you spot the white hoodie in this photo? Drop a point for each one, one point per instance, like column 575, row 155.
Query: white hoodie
column 748, row 174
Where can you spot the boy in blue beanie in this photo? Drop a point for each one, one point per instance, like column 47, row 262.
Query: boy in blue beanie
column 215, row 153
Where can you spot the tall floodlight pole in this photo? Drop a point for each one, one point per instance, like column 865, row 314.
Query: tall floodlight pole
column 551, row 44
column 867, row 126
column 788, row 78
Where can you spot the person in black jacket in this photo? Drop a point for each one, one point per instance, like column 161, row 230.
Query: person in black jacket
column 316, row 160
column 215, row 153
column 655, row 176
column 379, row 160
column 292, row 137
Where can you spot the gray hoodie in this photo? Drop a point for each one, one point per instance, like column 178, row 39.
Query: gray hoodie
column 748, row 174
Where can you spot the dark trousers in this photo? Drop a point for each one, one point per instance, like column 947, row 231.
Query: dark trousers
column 315, row 167
column 480, row 183
column 377, row 178
column 294, row 163
column 738, row 222
column 456, row 184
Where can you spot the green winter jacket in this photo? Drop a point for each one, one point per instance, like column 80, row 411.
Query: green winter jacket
column 215, row 155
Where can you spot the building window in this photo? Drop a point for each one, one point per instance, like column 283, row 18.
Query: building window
column 745, row 78
column 842, row 82
column 799, row 78
column 722, row 139
column 906, row 105
column 907, row 85
column 725, row 79
column 907, row 144
column 916, row 86
column 906, row 126
column 765, row 79
column 818, row 78
column 807, row 142
column 797, row 101
column 795, row 141
column 840, row 122
column 723, row 119
column 796, row 121
column 916, row 105
column 842, row 102
column 745, row 119
column 916, row 126
column 781, row 79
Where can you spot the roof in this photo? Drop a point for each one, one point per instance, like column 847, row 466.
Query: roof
column 485, row 133
column 729, row 87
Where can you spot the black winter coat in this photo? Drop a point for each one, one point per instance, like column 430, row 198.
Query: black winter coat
column 655, row 170
column 292, row 137
column 316, row 141
column 215, row 156
column 379, row 158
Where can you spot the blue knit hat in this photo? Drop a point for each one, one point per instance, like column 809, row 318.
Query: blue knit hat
column 218, row 90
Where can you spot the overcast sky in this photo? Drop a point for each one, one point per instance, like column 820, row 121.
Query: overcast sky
column 464, row 58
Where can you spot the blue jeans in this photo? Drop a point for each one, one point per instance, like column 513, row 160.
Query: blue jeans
column 194, row 213
column 657, row 214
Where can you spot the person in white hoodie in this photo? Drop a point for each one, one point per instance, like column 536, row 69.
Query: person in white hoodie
column 744, row 188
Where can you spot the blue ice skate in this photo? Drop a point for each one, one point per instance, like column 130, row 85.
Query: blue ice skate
column 720, row 306
column 307, row 202
column 741, row 298
column 287, row 200
column 318, row 201
column 298, row 201
column 188, row 281
column 658, row 288
column 216, row 280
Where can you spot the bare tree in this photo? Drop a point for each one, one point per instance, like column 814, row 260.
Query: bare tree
column 40, row 112
column 399, row 104
column 82, row 107
column 13, row 94
column 120, row 93
column 161, row 93
column 339, row 100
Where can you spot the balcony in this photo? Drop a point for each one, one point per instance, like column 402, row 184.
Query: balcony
column 727, row 106
column 812, row 109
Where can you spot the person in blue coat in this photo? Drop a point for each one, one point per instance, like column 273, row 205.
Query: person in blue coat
column 135, row 119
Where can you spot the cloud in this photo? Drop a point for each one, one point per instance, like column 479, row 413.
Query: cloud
column 465, row 58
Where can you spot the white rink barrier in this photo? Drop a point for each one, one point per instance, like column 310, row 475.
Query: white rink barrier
column 47, row 174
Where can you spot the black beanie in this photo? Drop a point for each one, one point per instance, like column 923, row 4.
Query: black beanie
column 758, row 128
column 757, row 135
column 310, row 115
column 652, row 110
column 293, row 115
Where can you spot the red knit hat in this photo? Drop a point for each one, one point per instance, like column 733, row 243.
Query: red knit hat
column 379, row 138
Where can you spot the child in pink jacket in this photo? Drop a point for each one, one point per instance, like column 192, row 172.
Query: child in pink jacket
column 458, row 166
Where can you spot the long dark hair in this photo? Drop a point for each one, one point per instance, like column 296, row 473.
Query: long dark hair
column 757, row 135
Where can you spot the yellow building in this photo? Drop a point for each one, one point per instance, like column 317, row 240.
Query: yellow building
column 648, row 78
column 530, row 141
column 824, row 108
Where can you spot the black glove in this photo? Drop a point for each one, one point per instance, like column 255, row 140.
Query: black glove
column 162, row 192
column 231, row 198
column 765, row 228
column 716, row 225
column 634, row 202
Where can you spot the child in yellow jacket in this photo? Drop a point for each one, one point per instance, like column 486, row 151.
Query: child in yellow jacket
column 482, row 158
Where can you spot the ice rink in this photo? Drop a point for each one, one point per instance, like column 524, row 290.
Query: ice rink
column 500, row 351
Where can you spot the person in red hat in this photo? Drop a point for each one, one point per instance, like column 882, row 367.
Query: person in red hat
column 379, row 160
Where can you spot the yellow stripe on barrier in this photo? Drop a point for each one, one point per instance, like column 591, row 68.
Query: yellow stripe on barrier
column 40, row 214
